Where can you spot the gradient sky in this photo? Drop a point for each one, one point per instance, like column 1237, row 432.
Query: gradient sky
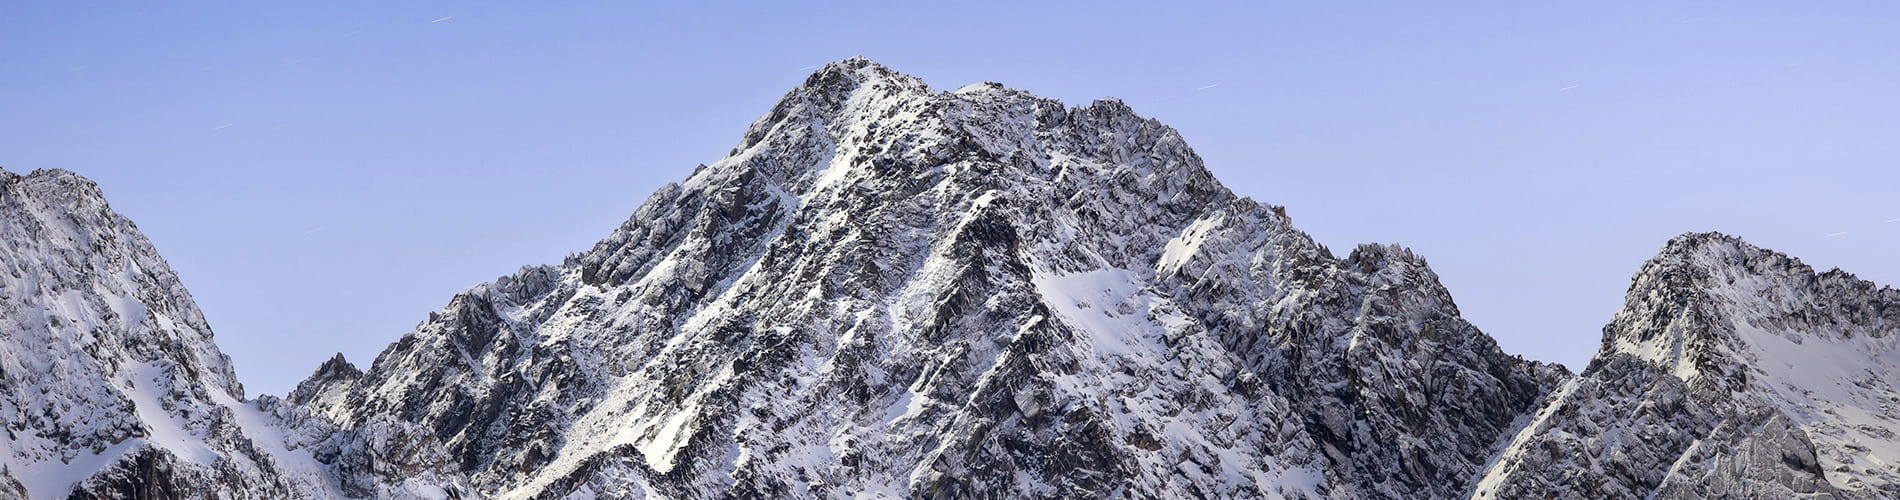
column 324, row 174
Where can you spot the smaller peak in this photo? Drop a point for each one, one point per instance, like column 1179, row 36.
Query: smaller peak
column 336, row 372
column 1112, row 108
column 46, row 175
column 1110, row 103
column 54, row 172
column 1713, row 250
column 338, row 364
column 1697, row 249
column 1714, row 260
column 1692, row 241
column 1371, row 256
column 56, row 184
column 57, row 175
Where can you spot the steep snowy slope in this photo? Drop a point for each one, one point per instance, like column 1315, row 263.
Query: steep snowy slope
column 1731, row 371
column 110, row 385
column 888, row 290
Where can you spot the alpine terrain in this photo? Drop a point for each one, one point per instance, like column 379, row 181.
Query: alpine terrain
column 111, row 387
column 1731, row 371
column 889, row 291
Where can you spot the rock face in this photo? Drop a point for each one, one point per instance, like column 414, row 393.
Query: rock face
column 889, row 291
column 886, row 289
column 108, row 376
column 1731, row 371
column 110, row 385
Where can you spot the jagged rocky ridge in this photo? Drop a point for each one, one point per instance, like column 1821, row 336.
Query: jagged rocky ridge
column 891, row 291
column 111, row 386
column 886, row 289
column 1731, row 371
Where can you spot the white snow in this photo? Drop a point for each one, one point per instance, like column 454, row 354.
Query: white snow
column 1104, row 304
column 1182, row 248
column 148, row 382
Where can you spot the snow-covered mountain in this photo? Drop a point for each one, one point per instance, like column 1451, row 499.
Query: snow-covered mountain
column 111, row 387
column 890, row 290
column 1731, row 371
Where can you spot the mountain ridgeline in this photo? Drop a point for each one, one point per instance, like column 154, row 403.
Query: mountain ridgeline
column 890, row 291
column 111, row 386
column 1731, row 371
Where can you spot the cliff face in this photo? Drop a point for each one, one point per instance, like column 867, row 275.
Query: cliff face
column 1730, row 371
column 109, row 381
column 111, row 385
column 886, row 288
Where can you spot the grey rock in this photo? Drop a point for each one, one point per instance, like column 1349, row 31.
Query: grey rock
column 111, row 385
column 976, row 293
column 1732, row 371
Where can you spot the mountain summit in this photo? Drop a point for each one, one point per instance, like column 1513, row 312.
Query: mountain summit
column 111, row 385
column 890, row 291
column 1732, row 371
column 886, row 289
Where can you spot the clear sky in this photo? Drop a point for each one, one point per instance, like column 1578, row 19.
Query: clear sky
column 324, row 174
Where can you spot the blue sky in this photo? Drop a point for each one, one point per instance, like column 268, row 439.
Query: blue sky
column 323, row 175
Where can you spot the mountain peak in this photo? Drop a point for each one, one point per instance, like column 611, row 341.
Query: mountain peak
column 44, row 173
column 848, row 74
column 1705, row 297
column 59, row 187
column 887, row 288
column 1696, row 263
column 1723, row 349
column 106, row 356
column 57, row 172
column 1697, row 239
column 1706, row 244
column 338, row 365
column 854, row 66
column 334, row 375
